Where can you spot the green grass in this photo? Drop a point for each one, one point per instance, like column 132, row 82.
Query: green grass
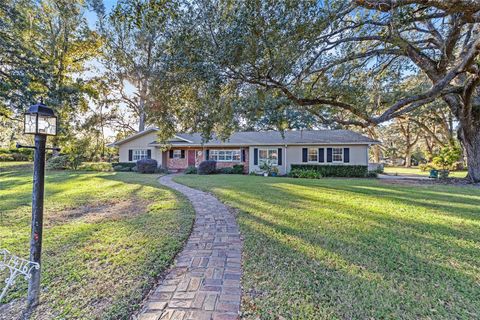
column 107, row 237
column 417, row 171
column 354, row 248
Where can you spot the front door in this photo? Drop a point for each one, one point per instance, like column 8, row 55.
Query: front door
column 191, row 157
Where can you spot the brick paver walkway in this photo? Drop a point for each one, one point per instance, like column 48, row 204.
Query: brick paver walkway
column 204, row 282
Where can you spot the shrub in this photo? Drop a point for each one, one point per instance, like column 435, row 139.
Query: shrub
column 147, row 166
column 443, row 174
column 15, row 154
column 372, row 174
column 305, row 173
column 427, row 167
column 447, row 157
column 59, row 163
column 161, row 170
column 207, row 167
column 20, row 157
column 123, row 166
column 335, row 170
column 191, row 170
column 226, row 170
column 238, row 169
column 6, row 157
column 96, row 166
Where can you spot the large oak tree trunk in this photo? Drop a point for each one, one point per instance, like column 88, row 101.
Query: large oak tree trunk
column 470, row 138
column 408, row 157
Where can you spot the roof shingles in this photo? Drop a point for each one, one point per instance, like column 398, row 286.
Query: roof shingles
column 276, row 137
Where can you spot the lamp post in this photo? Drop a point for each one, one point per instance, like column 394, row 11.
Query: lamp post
column 41, row 122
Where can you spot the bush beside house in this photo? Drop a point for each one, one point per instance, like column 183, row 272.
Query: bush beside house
column 207, row 167
column 123, row 166
column 147, row 166
column 353, row 171
column 191, row 170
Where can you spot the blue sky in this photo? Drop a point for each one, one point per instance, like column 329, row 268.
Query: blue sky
column 92, row 16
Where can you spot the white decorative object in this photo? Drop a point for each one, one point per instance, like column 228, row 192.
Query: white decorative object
column 16, row 267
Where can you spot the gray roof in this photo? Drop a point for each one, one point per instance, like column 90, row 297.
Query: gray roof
column 276, row 138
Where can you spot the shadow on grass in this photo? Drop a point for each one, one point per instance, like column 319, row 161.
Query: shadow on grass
column 356, row 248
column 102, row 269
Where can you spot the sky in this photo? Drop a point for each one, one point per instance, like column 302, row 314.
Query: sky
column 92, row 16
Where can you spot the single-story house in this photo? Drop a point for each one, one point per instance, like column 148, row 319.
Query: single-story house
column 323, row 147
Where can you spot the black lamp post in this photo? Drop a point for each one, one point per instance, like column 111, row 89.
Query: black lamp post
column 42, row 122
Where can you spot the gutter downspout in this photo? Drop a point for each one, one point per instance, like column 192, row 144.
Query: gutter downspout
column 285, row 162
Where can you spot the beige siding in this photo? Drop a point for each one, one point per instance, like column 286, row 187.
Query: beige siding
column 140, row 143
column 358, row 154
column 293, row 155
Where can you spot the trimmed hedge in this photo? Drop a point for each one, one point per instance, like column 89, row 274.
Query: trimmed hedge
column 236, row 169
column 304, row 173
column 207, row 167
column 348, row 171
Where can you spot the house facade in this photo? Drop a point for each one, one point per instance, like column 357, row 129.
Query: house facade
column 251, row 149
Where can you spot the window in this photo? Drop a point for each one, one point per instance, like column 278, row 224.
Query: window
column 312, row 155
column 225, row 155
column 140, row 154
column 337, row 154
column 177, row 154
column 270, row 155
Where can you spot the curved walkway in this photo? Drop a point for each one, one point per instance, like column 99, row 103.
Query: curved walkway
column 204, row 282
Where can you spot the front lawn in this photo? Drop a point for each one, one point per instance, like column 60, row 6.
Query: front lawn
column 107, row 237
column 417, row 171
column 354, row 248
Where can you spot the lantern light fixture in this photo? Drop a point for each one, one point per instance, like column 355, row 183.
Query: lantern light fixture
column 40, row 119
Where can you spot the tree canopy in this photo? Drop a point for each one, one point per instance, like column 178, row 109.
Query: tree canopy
column 215, row 66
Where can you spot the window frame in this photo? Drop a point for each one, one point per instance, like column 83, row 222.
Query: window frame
column 341, row 155
column 268, row 150
column 177, row 154
column 139, row 154
column 225, row 155
column 316, row 155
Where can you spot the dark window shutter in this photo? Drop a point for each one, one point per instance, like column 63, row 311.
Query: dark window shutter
column 304, row 154
column 243, row 155
column 182, row 154
column 130, row 155
column 280, row 156
column 171, row 154
column 346, row 154
column 329, row 155
column 255, row 156
column 321, row 154
column 149, row 154
column 207, row 154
